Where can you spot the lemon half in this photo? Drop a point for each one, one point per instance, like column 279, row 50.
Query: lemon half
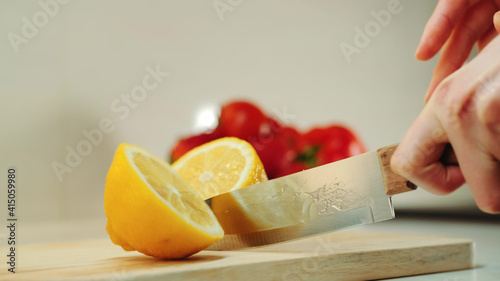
column 151, row 209
column 220, row 166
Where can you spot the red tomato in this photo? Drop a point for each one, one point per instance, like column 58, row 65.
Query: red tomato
column 293, row 168
column 277, row 147
column 333, row 143
column 275, row 156
column 241, row 119
column 292, row 137
column 282, row 149
column 273, row 125
column 186, row 144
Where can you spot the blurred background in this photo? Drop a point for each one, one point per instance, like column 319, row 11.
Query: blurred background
column 68, row 69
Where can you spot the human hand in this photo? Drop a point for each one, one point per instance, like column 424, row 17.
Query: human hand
column 455, row 26
column 464, row 111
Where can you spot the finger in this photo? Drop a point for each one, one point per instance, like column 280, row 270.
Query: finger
column 486, row 38
column 481, row 170
column 488, row 109
column 496, row 21
column 417, row 156
column 458, row 47
column 487, row 90
column 440, row 25
column 486, row 185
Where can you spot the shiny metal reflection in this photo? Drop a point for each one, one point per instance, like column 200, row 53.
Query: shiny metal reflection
column 325, row 198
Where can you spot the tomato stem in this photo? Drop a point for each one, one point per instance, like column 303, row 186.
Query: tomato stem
column 308, row 155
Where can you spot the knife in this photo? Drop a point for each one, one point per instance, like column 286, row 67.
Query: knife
column 351, row 192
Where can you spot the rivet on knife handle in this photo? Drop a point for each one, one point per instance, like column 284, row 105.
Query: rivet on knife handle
column 394, row 183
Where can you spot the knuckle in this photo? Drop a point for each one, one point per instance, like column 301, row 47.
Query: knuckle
column 402, row 166
column 447, row 21
column 442, row 91
column 453, row 105
column 416, row 161
column 451, row 116
column 489, row 113
column 438, row 135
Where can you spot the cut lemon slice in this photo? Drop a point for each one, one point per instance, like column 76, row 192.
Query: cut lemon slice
column 220, row 166
column 151, row 209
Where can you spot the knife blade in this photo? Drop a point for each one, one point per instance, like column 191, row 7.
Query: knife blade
column 351, row 192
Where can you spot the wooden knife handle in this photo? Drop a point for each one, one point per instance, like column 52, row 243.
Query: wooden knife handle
column 394, row 183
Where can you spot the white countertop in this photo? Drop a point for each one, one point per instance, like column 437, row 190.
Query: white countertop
column 485, row 233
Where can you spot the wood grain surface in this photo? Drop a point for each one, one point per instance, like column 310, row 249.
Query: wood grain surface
column 394, row 183
column 344, row 255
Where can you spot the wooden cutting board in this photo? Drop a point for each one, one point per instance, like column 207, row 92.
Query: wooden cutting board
column 344, row 255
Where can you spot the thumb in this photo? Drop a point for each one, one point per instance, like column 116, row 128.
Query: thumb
column 496, row 21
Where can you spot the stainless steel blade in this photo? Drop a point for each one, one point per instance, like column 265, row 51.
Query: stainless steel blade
column 351, row 218
column 322, row 199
